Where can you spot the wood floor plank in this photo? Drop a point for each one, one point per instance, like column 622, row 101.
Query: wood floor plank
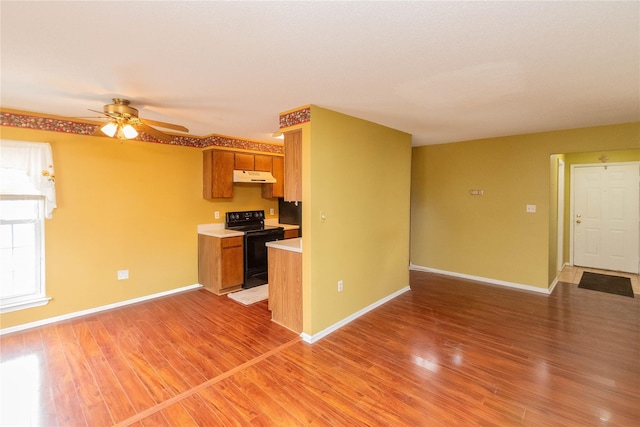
column 448, row 352
column 264, row 401
column 201, row 412
column 156, row 419
column 242, row 404
column 223, row 409
column 177, row 415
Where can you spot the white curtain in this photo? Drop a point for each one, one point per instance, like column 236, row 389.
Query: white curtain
column 27, row 168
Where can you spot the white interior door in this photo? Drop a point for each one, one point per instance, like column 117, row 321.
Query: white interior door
column 606, row 202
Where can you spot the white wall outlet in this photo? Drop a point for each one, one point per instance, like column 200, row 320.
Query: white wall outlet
column 531, row 208
column 272, row 211
column 123, row 274
column 340, row 286
column 216, row 215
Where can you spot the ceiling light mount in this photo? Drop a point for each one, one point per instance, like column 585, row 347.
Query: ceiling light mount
column 120, row 108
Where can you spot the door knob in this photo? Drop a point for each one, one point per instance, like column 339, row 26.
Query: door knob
column 579, row 221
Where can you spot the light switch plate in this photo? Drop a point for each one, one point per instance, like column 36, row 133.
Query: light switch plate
column 531, row 208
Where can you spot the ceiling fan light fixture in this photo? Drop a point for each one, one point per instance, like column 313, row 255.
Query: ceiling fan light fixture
column 109, row 129
column 129, row 131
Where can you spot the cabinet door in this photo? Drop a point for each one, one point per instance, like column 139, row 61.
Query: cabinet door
column 293, row 166
column 262, row 163
column 271, row 191
column 207, row 248
column 232, row 266
column 290, row 234
column 245, row 162
column 217, row 174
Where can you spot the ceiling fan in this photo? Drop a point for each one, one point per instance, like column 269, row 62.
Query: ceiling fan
column 124, row 122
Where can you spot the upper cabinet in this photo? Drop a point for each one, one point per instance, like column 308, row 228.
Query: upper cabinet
column 218, row 167
column 253, row 162
column 217, row 174
column 271, row 191
column 293, row 166
column 245, row 162
column 263, row 163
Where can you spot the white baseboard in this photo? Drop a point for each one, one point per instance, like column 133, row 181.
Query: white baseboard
column 95, row 310
column 530, row 288
column 310, row 339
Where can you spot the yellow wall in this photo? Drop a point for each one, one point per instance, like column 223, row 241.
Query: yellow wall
column 492, row 236
column 358, row 174
column 122, row 205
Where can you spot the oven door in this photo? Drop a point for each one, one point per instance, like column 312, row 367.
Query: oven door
column 255, row 256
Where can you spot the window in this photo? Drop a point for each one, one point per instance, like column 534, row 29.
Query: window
column 21, row 252
column 27, row 197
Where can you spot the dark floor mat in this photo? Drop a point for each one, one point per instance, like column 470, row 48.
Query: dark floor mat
column 605, row 283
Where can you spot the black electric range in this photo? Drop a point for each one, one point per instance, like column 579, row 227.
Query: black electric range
column 256, row 235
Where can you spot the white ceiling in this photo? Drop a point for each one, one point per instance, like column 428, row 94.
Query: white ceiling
column 441, row 71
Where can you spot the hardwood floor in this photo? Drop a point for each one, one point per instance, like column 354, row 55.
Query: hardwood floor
column 449, row 352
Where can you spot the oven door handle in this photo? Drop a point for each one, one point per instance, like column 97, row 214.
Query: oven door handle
column 259, row 233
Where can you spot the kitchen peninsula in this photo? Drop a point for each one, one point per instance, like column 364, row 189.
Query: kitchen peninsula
column 221, row 260
column 285, row 282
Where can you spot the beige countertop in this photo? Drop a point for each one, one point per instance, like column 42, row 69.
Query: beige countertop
column 217, row 229
column 291, row 245
column 274, row 222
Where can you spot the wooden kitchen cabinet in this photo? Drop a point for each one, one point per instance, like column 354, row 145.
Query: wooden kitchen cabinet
column 220, row 263
column 217, row 174
column 218, row 167
column 262, row 163
column 293, row 166
column 285, row 288
column 245, row 162
column 253, row 162
column 272, row 191
column 291, row 234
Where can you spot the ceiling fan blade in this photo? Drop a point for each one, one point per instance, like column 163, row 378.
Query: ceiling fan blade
column 153, row 132
column 106, row 114
column 99, row 132
column 165, row 125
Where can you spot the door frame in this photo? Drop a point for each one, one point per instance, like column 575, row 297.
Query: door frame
column 560, row 230
column 572, row 195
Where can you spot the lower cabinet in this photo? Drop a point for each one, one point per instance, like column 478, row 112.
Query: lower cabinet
column 220, row 263
column 285, row 288
column 291, row 234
